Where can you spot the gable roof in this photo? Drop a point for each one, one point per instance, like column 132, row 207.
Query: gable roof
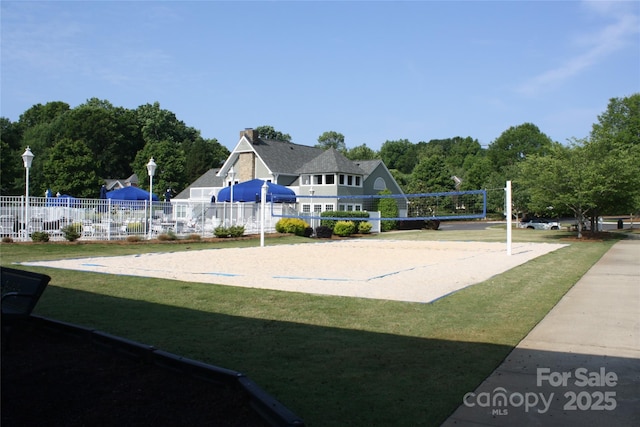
column 330, row 161
column 368, row 166
column 284, row 157
column 208, row 179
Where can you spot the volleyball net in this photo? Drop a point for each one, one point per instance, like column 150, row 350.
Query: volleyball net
column 470, row 204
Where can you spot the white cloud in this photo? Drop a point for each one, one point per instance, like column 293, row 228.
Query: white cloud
column 595, row 46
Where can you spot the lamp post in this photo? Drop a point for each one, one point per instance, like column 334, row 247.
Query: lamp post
column 27, row 158
column 151, row 169
column 232, row 176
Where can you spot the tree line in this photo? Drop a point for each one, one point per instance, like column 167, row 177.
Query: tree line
column 79, row 147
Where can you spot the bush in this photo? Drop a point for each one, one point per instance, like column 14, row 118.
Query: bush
column 236, row 230
column 295, row 226
column 233, row 231
column 72, row 232
column 7, row 239
column 348, row 215
column 194, row 236
column 133, row 238
column 324, row 232
column 344, row 228
column 388, row 209
column 40, row 236
column 169, row 235
column 364, row 227
column 221, row 231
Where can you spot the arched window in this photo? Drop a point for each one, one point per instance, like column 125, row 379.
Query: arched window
column 379, row 184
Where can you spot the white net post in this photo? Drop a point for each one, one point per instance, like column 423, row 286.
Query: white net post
column 508, row 214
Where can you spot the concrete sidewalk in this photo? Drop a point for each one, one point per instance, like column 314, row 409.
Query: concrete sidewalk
column 580, row 366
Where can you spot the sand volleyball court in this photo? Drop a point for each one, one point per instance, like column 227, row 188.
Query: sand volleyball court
column 418, row 271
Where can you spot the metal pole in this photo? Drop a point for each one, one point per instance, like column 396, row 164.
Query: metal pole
column 150, row 203
column 26, row 209
column 263, row 213
column 508, row 213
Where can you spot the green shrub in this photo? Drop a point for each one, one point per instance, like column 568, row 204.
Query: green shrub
column 295, row 226
column 364, row 227
column 40, row 236
column 348, row 215
column 236, row 231
column 388, row 209
column 221, row 231
column 344, row 228
column 72, row 232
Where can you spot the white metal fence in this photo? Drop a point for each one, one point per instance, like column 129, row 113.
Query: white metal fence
column 99, row 219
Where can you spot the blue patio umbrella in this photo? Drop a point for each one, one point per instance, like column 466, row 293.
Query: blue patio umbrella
column 63, row 200
column 130, row 193
column 250, row 191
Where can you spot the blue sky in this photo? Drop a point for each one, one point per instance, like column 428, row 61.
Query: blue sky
column 373, row 71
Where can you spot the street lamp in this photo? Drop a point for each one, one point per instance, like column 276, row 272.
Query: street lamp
column 232, row 176
column 27, row 158
column 151, row 168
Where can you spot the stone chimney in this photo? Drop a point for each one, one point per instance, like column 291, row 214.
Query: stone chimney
column 251, row 134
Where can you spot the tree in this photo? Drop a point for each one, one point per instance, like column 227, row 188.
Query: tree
column 431, row 175
column 268, row 132
column 332, row 139
column 39, row 114
column 361, row 152
column 400, row 155
column 112, row 132
column 170, row 173
column 69, row 169
column 10, row 164
column 620, row 123
column 615, row 141
column 516, row 144
column 202, row 155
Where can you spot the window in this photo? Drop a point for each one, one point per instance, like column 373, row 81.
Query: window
column 330, row 179
column 379, row 184
column 328, row 207
column 306, row 179
column 317, row 179
column 350, row 180
column 306, row 208
column 317, row 208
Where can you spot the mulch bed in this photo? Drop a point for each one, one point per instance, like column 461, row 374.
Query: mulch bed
column 57, row 379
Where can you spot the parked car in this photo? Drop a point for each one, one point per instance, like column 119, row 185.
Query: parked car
column 540, row 224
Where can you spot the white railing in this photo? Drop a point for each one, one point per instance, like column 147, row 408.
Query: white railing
column 100, row 219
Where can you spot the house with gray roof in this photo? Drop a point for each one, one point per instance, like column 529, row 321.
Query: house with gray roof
column 309, row 171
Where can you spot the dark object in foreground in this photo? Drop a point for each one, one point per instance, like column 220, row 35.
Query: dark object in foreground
column 20, row 291
column 57, row 379
column 60, row 374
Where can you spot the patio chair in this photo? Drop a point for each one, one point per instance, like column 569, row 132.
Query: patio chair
column 21, row 291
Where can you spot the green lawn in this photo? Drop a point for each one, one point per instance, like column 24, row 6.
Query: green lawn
column 331, row 360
